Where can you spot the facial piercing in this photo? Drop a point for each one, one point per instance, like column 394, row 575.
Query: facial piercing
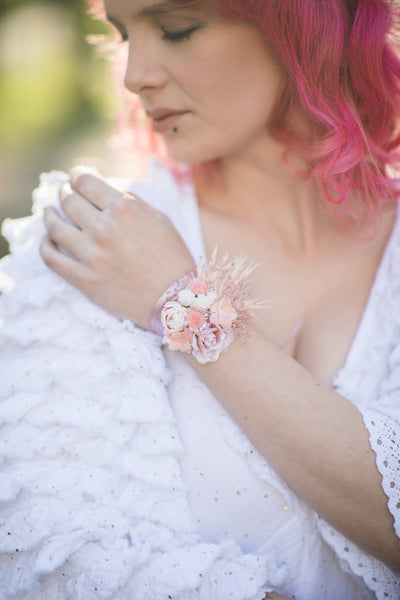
column 175, row 129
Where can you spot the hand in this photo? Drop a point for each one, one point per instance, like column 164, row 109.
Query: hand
column 121, row 253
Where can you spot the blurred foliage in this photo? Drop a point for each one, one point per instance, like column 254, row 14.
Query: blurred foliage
column 55, row 94
column 49, row 82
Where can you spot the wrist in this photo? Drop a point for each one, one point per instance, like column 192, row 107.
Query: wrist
column 203, row 311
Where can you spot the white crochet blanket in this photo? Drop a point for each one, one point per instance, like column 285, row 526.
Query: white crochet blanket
column 92, row 501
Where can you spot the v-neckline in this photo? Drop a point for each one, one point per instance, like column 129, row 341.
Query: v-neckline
column 358, row 344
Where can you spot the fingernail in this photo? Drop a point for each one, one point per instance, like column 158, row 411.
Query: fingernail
column 81, row 170
column 64, row 190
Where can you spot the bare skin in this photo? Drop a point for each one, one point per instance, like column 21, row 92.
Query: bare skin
column 319, row 276
column 312, row 269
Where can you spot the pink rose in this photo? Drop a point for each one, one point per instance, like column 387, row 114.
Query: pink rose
column 209, row 343
column 181, row 340
column 198, row 285
column 195, row 319
column 173, row 316
column 223, row 313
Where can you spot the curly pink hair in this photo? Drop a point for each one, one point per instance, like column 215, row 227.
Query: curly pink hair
column 343, row 75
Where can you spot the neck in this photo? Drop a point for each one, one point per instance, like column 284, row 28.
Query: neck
column 264, row 195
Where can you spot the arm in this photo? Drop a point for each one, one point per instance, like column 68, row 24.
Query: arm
column 314, row 438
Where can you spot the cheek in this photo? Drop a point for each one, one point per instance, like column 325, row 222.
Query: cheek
column 228, row 84
column 231, row 94
column 228, row 119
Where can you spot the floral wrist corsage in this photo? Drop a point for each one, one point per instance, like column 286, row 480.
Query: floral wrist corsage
column 201, row 313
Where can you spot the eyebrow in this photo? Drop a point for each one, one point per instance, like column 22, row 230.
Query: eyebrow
column 163, row 8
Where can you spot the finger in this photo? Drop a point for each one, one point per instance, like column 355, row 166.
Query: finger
column 94, row 188
column 77, row 208
column 65, row 266
column 64, row 234
column 144, row 206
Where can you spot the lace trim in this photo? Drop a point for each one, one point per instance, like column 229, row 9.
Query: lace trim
column 376, row 576
column 385, row 441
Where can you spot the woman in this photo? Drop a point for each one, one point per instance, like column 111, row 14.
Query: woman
column 296, row 104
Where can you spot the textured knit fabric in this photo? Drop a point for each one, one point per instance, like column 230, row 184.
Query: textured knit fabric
column 121, row 475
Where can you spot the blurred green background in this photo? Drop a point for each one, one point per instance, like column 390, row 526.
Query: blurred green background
column 57, row 106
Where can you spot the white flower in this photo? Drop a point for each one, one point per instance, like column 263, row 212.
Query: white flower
column 173, row 316
column 204, row 301
column 186, row 297
column 211, row 296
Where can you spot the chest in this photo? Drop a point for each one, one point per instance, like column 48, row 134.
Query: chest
column 314, row 313
column 316, row 302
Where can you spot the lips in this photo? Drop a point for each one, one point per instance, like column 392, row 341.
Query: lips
column 161, row 113
column 165, row 119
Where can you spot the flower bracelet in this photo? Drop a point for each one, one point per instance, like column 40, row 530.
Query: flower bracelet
column 201, row 313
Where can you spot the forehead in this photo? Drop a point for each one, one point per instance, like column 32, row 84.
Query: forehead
column 151, row 8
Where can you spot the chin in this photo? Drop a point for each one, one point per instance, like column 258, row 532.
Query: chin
column 191, row 153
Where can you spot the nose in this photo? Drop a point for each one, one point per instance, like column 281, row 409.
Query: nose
column 144, row 68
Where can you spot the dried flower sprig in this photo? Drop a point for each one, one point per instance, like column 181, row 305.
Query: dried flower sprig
column 202, row 313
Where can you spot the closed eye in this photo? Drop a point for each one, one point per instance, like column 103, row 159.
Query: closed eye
column 179, row 35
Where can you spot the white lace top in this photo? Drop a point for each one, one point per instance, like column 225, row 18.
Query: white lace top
column 121, row 475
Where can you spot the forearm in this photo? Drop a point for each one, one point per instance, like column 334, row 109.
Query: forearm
column 314, row 438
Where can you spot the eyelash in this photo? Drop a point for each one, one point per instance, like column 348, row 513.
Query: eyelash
column 172, row 36
column 178, row 36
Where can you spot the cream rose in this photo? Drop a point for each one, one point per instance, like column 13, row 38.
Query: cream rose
column 173, row 316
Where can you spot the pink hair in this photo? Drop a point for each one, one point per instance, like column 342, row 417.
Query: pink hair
column 343, row 77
